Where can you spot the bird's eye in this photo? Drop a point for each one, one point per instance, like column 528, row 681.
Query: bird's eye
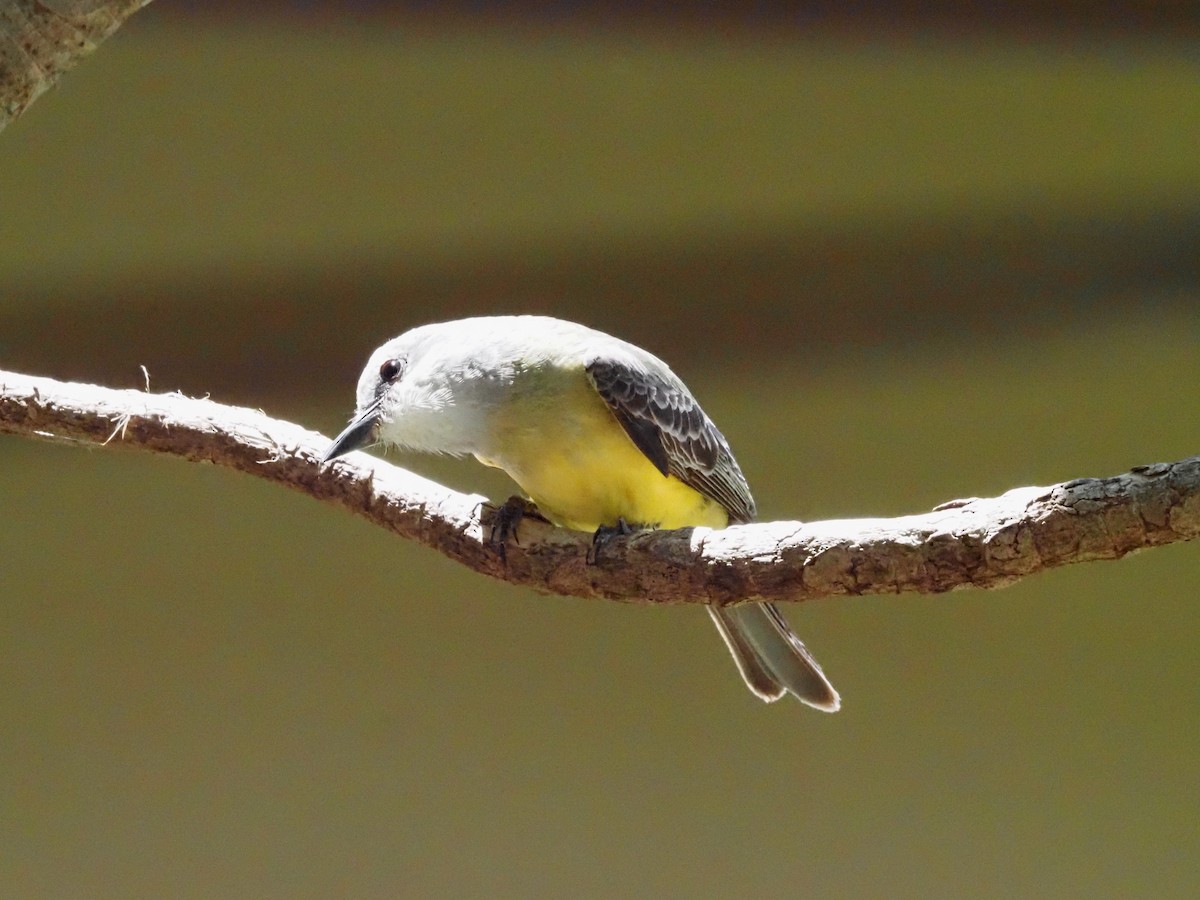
column 391, row 370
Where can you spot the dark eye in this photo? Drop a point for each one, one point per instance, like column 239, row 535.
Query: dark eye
column 391, row 370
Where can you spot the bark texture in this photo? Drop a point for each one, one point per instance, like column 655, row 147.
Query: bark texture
column 965, row 543
column 41, row 39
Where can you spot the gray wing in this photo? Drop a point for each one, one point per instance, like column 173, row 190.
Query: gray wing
column 667, row 424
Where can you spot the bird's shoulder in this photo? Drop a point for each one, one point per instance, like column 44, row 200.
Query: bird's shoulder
column 664, row 419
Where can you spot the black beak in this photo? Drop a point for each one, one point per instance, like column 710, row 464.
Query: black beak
column 360, row 433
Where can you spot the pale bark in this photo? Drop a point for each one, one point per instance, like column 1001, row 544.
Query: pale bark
column 977, row 542
column 41, row 39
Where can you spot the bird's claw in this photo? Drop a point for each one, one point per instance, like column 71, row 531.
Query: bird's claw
column 505, row 519
column 606, row 533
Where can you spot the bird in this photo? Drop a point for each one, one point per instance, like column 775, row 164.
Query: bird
column 599, row 434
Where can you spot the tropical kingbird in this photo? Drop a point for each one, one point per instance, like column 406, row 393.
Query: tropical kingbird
column 599, row 433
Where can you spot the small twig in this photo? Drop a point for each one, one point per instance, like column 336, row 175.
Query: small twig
column 978, row 542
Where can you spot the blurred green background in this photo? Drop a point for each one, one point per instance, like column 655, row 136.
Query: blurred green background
column 899, row 263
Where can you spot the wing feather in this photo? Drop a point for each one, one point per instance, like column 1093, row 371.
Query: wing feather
column 663, row 419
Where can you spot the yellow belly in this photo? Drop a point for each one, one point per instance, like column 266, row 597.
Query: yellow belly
column 566, row 449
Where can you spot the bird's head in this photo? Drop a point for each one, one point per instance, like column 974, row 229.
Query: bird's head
column 418, row 391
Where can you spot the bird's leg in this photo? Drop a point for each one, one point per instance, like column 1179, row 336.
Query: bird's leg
column 606, row 533
column 505, row 519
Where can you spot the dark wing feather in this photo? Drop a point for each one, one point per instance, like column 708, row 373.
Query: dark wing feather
column 667, row 424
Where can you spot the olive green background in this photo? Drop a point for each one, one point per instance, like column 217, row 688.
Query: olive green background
column 896, row 268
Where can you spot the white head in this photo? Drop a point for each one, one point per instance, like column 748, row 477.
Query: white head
column 433, row 388
column 429, row 390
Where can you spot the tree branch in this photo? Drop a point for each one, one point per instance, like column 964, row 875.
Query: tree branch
column 41, row 39
column 976, row 542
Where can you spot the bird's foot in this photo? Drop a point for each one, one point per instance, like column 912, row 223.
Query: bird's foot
column 505, row 519
column 605, row 533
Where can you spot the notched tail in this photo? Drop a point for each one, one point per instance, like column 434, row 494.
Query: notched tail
column 770, row 658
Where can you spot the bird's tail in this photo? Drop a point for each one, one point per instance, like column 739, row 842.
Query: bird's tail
column 770, row 657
